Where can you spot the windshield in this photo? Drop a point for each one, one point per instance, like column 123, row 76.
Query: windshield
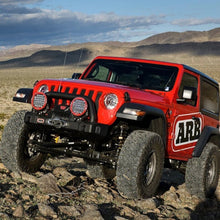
column 141, row 75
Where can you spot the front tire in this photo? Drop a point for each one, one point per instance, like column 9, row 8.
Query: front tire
column 140, row 165
column 202, row 173
column 14, row 151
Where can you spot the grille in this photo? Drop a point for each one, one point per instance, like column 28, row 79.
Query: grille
column 92, row 94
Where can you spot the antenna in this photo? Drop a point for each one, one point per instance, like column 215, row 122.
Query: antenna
column 80, row 57
column 64, row 63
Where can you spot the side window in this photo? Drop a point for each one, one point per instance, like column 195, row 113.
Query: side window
column 188, row 81
column 209, row 97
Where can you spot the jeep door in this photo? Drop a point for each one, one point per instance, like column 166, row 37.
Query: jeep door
column 188, row 121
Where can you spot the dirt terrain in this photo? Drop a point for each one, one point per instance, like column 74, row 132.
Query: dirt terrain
column 63, row 190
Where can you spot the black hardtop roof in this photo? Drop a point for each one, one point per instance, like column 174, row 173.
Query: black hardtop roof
column 200, row 73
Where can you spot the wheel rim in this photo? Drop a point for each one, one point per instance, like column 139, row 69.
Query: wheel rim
column 211, row 172
column 150, row 168
column 29, row 152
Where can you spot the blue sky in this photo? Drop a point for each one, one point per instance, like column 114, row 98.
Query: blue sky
column 58, row 22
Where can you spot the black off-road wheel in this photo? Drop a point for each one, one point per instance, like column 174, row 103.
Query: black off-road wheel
column 15, row 152
column 202, row 173
column 96, row 171
column 140, row 165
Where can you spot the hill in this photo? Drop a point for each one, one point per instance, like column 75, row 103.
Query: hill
column 59, row 58
column 116, row 47
column 47, row 58
column 188, row 36
column 21, row 51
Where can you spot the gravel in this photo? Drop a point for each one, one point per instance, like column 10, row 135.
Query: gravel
column 62, row 190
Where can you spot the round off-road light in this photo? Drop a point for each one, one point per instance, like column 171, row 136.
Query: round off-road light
column 78, row 106
column 111, row 101
column 39, row 101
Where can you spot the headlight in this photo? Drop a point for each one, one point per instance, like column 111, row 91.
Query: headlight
column 43, row 88
column 111, row 101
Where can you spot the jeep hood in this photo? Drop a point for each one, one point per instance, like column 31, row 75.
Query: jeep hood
column 146, row 97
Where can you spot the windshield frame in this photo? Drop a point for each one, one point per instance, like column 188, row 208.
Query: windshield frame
column 130, row 73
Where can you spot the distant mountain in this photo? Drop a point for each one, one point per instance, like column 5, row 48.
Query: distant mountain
column 21, row 51
column 171, row 46
column 188, row 36
column 28, row 47
column 190, row 48
column 47, row 58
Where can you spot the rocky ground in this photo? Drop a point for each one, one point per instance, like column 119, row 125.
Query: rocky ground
column 63, row 190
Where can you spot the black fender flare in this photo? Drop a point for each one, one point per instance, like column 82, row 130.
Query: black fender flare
column 23, row 95
column 208, row 134
column 149, row 111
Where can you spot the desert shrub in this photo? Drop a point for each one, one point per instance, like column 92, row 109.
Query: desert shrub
column 1, row 127
column 3, row 116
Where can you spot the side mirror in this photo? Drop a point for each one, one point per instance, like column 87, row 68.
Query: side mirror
column 189, row 94
column 76, row 75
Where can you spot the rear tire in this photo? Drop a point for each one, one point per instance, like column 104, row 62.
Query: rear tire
column 202, row 173
column 140, row 165
column 14, row 151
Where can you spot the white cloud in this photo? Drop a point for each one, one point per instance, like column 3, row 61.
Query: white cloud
column 13, row 2
column 195, row 22
column 20, row 25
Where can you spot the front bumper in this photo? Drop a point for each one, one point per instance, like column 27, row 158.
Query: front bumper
column 64, row 124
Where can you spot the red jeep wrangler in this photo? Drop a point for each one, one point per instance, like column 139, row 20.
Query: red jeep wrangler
column 127, row 118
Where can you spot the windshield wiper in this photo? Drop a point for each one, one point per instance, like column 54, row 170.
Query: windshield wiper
column 93, row 79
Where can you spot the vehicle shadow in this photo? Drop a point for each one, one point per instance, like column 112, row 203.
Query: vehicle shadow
column 207, row 209
column 170, row 178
